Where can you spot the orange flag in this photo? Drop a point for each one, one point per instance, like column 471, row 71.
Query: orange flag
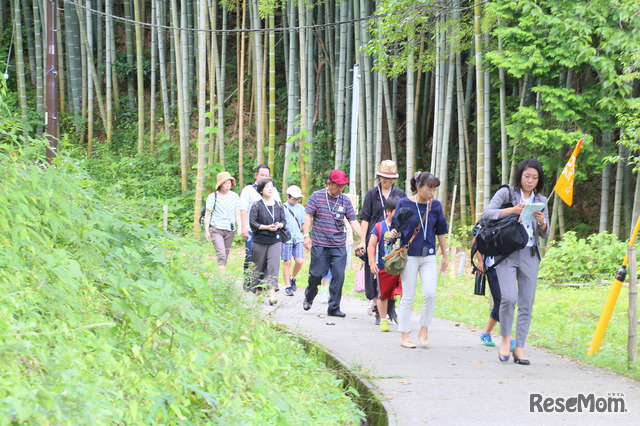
column 564, row 186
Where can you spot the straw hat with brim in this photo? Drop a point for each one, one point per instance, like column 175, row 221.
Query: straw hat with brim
column 223, row 177
column 388, row 169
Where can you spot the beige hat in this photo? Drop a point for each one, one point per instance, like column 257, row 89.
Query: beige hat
column 223, row 177
column 387, row 169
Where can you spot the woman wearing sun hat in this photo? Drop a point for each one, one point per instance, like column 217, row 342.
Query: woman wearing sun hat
column 222, row 216
column 373, row 212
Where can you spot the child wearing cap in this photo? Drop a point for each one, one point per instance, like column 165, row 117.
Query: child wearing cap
column 294, row 213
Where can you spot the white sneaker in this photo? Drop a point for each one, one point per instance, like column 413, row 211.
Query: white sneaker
column 324, row 295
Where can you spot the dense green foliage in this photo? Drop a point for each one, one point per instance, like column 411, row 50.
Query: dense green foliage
column 104, row 318
column 582, row 260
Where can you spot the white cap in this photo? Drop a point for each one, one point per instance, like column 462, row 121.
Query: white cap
column 294, row 191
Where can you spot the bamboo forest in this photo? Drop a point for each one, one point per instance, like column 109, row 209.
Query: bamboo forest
column 113, row 110
column 462, row 89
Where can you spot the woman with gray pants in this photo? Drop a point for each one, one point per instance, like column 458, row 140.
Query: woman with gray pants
column 518, row 273
column 266, row 219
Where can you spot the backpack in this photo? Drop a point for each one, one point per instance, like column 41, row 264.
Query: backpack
column 499, row 237
column 204, row 211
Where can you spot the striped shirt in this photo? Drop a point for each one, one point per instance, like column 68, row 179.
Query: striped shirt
column 328, row 218
column 224, row 213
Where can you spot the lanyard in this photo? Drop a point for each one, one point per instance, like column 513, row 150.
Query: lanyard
column 326, row 194
column 426, row 219
column 273, row 215
column 384, row 212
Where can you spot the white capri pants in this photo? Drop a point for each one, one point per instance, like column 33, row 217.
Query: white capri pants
column 426, row 267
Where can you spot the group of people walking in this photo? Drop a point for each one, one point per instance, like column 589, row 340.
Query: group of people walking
column 276, row 231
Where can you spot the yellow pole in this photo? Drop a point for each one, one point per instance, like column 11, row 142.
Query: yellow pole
column 612, row 298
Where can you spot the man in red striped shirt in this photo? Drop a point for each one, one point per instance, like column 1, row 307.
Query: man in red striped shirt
column 328, row 208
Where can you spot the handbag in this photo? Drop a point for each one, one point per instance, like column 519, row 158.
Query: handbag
column 395, row 261
column 358, row 287
column 285, row 235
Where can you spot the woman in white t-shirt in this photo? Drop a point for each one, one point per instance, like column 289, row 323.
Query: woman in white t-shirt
column 222, row 217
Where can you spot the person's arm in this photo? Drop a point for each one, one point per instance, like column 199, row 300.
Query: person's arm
column 305, row 230
column 238, row 221
column 442, row 240
column 356, row 227
column 543, row 221
column 494, row 210
column 364, row 224
column 207, row 222
column 371, row 253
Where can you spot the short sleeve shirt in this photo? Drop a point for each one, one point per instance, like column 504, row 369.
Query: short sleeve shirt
column 224, row 213
column 382, row 250
column 436, row 225
column 328, row 218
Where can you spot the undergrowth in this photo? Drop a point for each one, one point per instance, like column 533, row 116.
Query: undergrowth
column 105, row 318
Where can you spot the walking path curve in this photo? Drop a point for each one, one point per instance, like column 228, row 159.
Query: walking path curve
column 456, row 380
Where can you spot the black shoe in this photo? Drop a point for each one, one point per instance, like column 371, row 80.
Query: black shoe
column 306, row 305
column 337, row 313
column 503, row 358
column 518, row 360
column 293, row 285
column 288, row 291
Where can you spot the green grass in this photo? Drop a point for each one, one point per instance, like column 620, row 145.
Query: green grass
column 106, row 319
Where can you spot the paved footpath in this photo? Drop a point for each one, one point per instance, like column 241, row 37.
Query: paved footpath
column 456, row 380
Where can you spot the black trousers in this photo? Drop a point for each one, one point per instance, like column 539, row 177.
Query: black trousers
column 323, row 260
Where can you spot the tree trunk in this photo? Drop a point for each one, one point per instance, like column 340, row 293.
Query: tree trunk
column 180, row 99
column 202, row 109
column 20, row 68
column 480, row 164
column 241, row 98
column 37, row 28
column 617, row 200
column 89, row 37
column 504, row 142
column 410, row 159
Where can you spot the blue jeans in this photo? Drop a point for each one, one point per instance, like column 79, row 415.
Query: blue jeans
column 494, row 285
column 323, row 260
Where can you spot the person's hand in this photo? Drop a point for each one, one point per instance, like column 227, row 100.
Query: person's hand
column 517, row 209
column 273, row 227
column 393, row 233
column 445, row 264
column 207, row 235
column 307, row 242
column 374, row 268
column 244, row 232
column 481, row 266
column 539, row 217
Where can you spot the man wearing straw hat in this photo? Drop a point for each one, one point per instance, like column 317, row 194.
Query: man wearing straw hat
column 222, row 216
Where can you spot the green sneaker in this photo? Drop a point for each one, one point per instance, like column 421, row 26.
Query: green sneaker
column 486, row 339
column 384, row 325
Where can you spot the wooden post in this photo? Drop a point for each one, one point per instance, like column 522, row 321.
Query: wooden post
column 632, row 346
column 165, row 219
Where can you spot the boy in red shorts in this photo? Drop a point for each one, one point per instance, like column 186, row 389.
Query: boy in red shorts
column 388, row 285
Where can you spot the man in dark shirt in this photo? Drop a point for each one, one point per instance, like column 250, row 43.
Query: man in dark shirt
column 327, row 208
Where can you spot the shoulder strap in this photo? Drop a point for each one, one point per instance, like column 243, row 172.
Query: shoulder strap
column 419, row 227
column 293, row 214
